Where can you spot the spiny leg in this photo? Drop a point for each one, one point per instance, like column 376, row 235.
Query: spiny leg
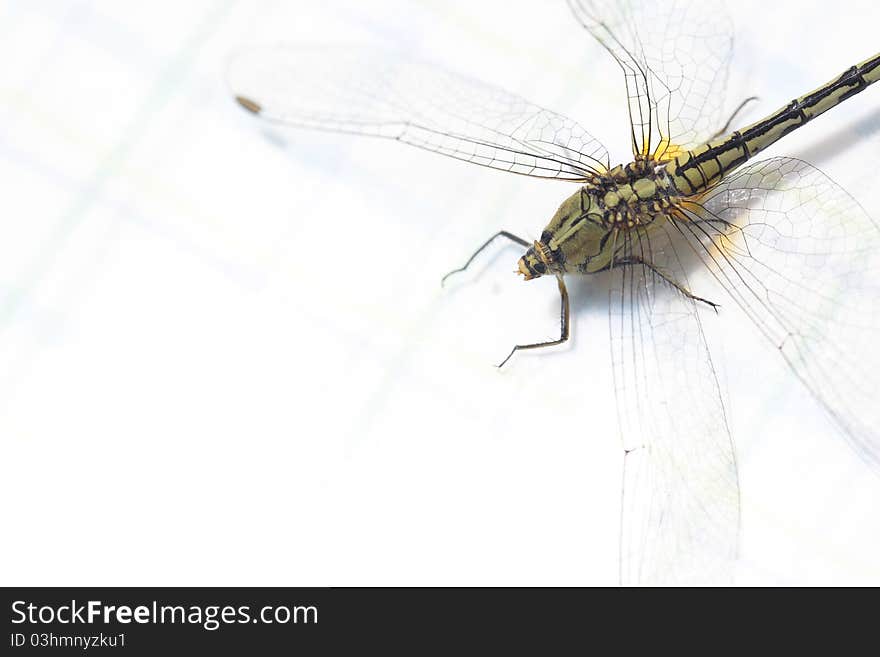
column 563, row 320
column 726, row 127
column 500, row 233
column 637, row 260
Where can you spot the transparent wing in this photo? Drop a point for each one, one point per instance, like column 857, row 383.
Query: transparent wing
column 382, row 94
column 675, row 56
column 802, row 258
column 680, row 511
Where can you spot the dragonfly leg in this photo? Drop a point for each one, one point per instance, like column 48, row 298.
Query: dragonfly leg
column 726, row 127
column 563, row 328
column 636, row 260
column 500, row 233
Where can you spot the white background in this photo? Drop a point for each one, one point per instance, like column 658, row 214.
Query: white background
column 205, row 381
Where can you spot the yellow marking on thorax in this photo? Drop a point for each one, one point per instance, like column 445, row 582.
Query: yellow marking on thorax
column 644, row 188
column 667, row 151
column 625, row 192
column 611, row 199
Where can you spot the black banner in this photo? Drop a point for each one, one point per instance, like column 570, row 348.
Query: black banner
column 316, row 621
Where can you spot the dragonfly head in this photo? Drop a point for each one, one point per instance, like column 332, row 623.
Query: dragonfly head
column 537, row 261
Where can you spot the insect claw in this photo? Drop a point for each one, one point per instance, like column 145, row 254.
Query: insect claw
column 501, row 364
column 714, row 306
column 454, row 271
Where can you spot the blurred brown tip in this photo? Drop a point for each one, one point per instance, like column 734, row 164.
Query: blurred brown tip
column 249, row 105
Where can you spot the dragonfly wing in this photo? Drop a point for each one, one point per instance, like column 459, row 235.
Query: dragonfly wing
column 383, row 94
column 675, row 56
column 680, row 508
column 801, row 258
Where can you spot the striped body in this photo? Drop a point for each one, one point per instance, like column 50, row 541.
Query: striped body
column 694, row 171
column 584, row 236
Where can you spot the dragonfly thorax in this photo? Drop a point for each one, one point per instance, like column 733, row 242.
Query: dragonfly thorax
column 584, row 233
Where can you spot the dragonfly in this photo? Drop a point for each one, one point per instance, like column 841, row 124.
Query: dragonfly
column 792, row 249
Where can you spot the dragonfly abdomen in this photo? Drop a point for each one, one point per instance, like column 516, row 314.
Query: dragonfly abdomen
column 696, row 170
